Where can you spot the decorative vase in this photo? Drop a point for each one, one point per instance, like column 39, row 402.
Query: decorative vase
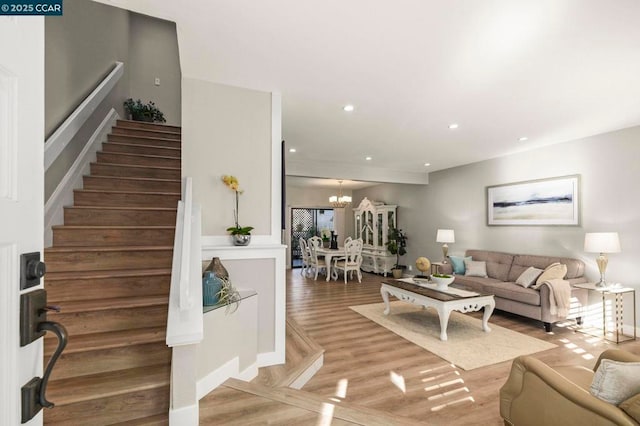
column 397, row 273
column 241, row 240
column 211, row 286
column 217, row 268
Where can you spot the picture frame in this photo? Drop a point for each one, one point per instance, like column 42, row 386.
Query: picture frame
column 550, row 201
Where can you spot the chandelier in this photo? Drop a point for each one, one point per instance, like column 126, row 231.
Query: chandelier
column 339, row 200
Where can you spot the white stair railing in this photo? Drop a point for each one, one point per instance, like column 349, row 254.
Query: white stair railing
column 185, row 317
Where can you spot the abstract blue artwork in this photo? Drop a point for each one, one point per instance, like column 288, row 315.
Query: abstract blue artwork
column 552, row 201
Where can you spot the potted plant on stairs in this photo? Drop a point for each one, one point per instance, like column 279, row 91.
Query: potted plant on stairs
column 397, row 244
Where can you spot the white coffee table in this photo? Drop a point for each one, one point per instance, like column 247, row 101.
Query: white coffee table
column 443, row 302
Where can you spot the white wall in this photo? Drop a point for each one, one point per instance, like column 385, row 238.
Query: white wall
column 227, row 130
column 455, row 198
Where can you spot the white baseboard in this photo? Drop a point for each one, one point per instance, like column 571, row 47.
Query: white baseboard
column 185, row 416
column 63, row 195
column 217, row 377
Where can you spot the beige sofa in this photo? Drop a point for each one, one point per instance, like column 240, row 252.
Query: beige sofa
column 536, row 394
column 504, row 268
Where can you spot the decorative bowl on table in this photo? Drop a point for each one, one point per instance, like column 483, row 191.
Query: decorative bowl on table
column 442, row 280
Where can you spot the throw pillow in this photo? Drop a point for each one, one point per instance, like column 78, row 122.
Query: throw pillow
column 457, row 262
column 553, row 272
column 631, row 406
column 616, row 381
column 529, row 276
column 475, row 269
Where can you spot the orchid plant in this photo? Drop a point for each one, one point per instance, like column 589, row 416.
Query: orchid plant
column 232, row 183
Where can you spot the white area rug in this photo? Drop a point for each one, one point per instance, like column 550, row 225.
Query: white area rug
column 467, row 347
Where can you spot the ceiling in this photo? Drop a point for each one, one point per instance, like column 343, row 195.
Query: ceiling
column 547, row 70
column 307, row 182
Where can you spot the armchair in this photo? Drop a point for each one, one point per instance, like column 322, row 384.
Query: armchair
column 536, row 394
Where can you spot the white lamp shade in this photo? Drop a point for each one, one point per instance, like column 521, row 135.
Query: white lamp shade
column 601, row 242
column 445, row 236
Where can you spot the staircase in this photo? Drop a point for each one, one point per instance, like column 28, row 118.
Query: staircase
column 109, row 270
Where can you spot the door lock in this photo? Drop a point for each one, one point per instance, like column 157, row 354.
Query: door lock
column 31, row 270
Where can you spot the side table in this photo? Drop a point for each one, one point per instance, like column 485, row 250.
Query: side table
column 616, row 296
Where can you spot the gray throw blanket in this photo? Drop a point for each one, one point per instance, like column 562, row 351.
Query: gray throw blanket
column 559, row 297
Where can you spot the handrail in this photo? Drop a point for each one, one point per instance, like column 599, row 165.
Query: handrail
column 185, row 293
column 56, row 143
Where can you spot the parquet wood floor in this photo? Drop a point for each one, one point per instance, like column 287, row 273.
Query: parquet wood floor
column 366, row 364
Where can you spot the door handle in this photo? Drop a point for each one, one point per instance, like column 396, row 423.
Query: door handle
column 33, row 325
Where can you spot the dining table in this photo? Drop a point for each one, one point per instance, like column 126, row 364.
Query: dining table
column 329, row 254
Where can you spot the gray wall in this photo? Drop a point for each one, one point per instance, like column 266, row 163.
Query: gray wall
column 455, row 198
column 82, row 47
column 153, row 52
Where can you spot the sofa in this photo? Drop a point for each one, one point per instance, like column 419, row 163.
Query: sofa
column 503, row 269
column 536, row 394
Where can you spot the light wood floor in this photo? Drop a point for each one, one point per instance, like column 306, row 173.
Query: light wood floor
column 363, row 360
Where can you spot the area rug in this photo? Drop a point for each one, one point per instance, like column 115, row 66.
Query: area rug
column 467, row 347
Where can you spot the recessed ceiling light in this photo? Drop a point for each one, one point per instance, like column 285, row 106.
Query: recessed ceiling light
column 453, row 126
column 524, row 138
column 427, row 164
column 292, row 150
column 368, row 158
column 348, row 108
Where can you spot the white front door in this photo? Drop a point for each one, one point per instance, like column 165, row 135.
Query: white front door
column 21, row 196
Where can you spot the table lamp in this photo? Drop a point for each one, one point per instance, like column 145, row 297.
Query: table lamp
column 603, row 243
column 445, row 236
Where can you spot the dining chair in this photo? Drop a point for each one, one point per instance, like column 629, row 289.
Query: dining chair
column 316, row 261
column 346, row 240
column 350, row 262
column 306, row 257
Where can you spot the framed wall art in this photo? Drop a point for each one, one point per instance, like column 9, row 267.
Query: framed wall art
column 552, row 201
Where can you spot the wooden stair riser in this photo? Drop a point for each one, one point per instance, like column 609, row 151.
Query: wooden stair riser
column 74, row 237
column 91, row 260
column 117, row 170
column 131, row 199
column 140, row 149
column 123, row 217
column 112, row 183
column 96, row 288
column 78, row 323
column 135, row 140
column 130, row 124
column 106, row 411
column 137, row 160
column 110, row 359
column 145, row 133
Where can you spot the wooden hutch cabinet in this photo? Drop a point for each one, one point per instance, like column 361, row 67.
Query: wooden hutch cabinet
column 373, row 219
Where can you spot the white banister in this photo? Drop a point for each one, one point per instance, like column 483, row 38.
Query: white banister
column 184, row 322
column 68, row 129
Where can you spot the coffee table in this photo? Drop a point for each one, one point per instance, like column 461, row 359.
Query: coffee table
column 456, row 298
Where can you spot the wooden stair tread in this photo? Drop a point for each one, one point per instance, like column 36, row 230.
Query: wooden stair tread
column 111, row 339
column 168, row 127
column 85, row 388
column 98, row 191
column 111, row 273
column 94, row 305
column 107, row 227
column 141, row 166
column 141, row 208
column 146, row 179
column 106, row 248
column 168, row 148
column 342, row 410
column 128, row 154
column 157, row 420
